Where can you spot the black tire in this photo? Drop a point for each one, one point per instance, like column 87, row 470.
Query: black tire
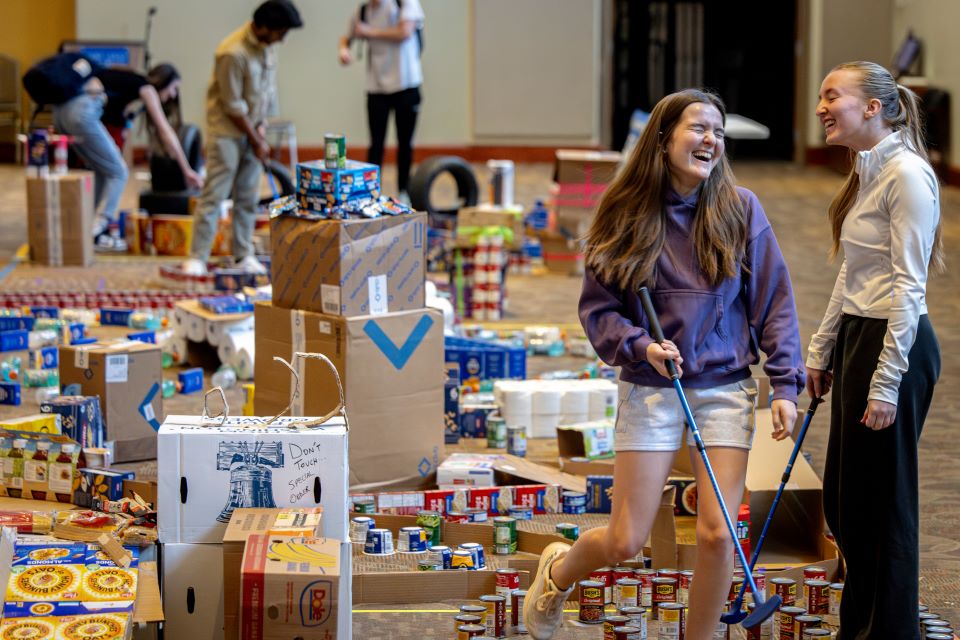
column 428, row 170
column 281, row 178
column 165, row 173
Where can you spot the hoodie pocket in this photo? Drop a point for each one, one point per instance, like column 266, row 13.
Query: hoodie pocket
column 692, row 320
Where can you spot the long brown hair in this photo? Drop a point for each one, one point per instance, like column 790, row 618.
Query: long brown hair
column 900, row 109
column 629, row 230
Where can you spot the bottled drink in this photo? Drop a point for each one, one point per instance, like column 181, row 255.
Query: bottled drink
column 225, row 377
column 40, row 377
column 10, row 369
column 538, row 216
column 61, row 473
column 13, row 468
column 147, row 320
column 36, row 469
column 169, row 388
column 45, row 394
column 44, row 338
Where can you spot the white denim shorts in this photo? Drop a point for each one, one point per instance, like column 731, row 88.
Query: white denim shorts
column 652, row 419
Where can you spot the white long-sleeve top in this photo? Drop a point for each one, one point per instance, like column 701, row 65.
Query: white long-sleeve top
column 887, row 238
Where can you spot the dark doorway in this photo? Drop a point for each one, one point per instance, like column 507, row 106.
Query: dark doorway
column 744, row 51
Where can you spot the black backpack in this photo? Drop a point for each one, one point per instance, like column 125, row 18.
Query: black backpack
column 59, row 78
column 363, row 18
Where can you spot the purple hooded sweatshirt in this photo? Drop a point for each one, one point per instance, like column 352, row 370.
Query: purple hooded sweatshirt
column 718, row 329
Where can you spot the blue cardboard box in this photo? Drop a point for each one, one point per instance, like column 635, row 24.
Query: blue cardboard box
column 80, row 418
column 319, row 187
column 451, row 403
column 115, row 316
column 226, row 304
column 17, row 323
column 17, row 340
column 45, row 358
column 9, row 393
column 191, row 380
column 486, row 360
column 599, row 494
column 100, row 483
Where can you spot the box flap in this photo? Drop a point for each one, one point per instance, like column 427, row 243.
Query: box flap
column 523, row 469
column 194, row 307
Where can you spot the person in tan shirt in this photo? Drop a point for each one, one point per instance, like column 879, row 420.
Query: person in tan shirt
column 241, row 95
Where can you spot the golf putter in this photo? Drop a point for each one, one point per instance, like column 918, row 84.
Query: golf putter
column 270, row 179
column 764, row 607
column 735, row 615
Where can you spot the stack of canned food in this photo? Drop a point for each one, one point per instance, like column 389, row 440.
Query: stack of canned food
column 497, row 615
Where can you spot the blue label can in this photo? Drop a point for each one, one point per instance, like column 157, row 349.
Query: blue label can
column 412, row 540
column 521, row 513
column 574, row 502
column 359, row 527
column 379, row 542
column 476, row 550
column 441, row 555
column 517, row 441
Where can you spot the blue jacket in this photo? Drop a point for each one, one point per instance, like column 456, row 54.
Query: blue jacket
column 718, row 329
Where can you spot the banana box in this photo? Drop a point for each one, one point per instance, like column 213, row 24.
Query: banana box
column 291, row 587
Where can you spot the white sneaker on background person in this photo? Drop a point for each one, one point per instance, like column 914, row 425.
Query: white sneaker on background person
column 250, row 264
column 543, row 607
column 193, row 267
column 110, row 242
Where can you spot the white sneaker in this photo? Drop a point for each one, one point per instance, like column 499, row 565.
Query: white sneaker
column 250, row 264
column 543, row 606
column 109, row 243
column 193, row 267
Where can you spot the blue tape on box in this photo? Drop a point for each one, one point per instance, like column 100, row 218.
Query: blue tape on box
column 599, row 494
column 115, row 316
column 150, row 337
column 191, row 380
column 80, row 418
column 18, row 340
column 17, row 323
column 10, row 393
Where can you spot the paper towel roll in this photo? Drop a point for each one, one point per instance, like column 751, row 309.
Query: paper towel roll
column 244, row 363
column 603, row 402
column 196, row 328
column 576, row 399
column 180, row 318
column 517, row 401
column 215, row 330
column 546, row 401
column 178, row 347
column 544, row 426
column 231, row 344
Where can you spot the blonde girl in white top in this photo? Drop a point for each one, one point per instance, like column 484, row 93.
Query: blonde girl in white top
column 875, row 346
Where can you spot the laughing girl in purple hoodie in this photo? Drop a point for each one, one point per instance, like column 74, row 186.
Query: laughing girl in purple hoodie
column 674, row 221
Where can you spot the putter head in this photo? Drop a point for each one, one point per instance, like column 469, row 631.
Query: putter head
column 762, row 611
column 735, row 615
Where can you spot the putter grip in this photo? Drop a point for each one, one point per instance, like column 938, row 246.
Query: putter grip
column 655, row 329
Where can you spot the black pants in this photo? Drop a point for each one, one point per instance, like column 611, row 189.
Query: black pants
column 406, row 106
column 870, row 492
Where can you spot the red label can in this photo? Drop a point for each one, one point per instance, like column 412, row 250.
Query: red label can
column 786, row 589
column 664, row 590
column 817, row 595
column 517, row 599
column 508, row 580
column 620, row 573
column 814, row 573
column 612, row 622
column 802, row 623
column 496, row 618
column 645, row 576
column 604, row 575
column 683, row 587
column 787, row 618
column 591, row 601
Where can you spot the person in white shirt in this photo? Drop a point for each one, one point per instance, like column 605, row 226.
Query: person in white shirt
column 392, row 31
column 876, row 347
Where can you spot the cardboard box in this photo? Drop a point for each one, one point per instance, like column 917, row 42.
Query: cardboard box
column 298, row 596
column 472, row 219
column 562, row 254
column 80, row 417
column 60, row 212
column 50, row 478
column 391, row 367
column 245, row 523
column 319, row 187
column 349, row 267
column 127, row 376
column 592, row 440
column 193, row 591
column 209, row 469
column 795, row 536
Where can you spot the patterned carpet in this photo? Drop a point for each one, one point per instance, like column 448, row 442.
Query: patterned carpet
column 795, row 199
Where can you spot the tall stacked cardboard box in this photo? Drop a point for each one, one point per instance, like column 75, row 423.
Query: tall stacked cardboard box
column 60, row 219
column 581, row 177
column 353, row 290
